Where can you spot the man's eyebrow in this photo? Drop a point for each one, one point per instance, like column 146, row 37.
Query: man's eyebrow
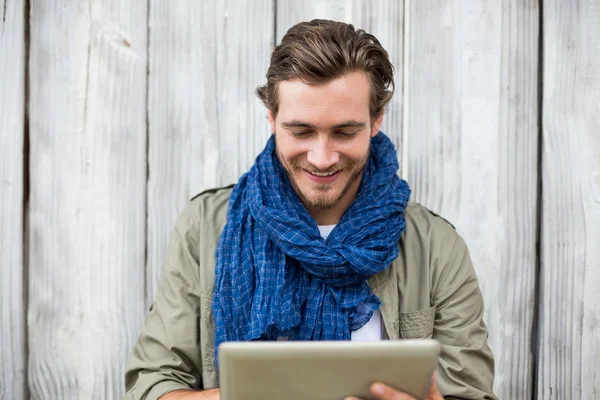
column 350, row 124
column 298, row 124
column 346, row 124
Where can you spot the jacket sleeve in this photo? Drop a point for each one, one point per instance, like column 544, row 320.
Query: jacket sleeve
column 466, row 369
column 166, row 356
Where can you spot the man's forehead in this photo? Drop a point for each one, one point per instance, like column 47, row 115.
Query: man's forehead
column 352, row 84
column 340, row 101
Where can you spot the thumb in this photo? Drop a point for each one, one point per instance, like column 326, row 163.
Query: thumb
column 434, row 393
column 212, row 394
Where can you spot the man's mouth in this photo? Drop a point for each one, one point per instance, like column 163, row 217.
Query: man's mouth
column 323, row 173
column 323, row 177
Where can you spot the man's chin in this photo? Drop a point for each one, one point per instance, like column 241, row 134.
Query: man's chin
column 320, row 201
column 318, row 204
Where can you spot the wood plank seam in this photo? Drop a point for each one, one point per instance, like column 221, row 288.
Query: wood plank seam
column 535, row 334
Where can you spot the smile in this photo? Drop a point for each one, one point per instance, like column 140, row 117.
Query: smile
column 323, row 177
column 323, row 173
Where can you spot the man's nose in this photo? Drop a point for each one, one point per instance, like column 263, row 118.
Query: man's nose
column 322, row 155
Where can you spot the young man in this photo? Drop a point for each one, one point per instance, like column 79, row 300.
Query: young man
column 318, row 241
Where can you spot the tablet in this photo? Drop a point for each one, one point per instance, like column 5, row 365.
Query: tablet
column 328, row 370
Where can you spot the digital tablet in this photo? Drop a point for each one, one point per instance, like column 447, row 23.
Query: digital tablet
column 328, row 370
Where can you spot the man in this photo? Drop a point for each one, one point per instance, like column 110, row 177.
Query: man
column 318, row 241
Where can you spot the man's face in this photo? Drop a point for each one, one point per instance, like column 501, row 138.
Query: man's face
column 322, row 137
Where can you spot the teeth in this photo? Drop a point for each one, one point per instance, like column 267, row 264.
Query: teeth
column 323, row 173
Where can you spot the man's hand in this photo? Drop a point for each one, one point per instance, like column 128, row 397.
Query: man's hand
column 385, row 392
column 379, row 390
column 210, row 394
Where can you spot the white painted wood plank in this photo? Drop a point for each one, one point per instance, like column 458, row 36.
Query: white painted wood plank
column 382, row 18
column 13, row 383
column 472, row 153
column 569, row 362
column 206, row 125
column 87, row 204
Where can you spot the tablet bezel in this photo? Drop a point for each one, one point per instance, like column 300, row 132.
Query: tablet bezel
column 324, row 369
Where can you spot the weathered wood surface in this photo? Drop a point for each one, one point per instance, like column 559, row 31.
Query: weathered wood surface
column 382, row 18
column 472, row 153
column 13, row 382
column 88, row 182
column 569, row 356
column 206, row 126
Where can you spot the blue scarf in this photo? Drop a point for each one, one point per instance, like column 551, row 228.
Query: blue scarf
column 275, row 274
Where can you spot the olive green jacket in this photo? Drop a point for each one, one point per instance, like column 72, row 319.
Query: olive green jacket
column 429, row 291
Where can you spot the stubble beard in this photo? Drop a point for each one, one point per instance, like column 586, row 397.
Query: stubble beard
column 321, row 202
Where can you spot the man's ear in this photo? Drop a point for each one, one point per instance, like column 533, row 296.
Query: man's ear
column 376, row 125
column 272, row 121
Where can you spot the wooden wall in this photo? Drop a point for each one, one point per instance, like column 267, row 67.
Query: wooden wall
column 87, row 214
column 569, row 325
column 13, row 356
column 114, row 113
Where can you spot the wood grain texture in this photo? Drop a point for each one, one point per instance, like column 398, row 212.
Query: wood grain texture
column 472, row 153
column 206, row 126
column 88, row 176
column 382, row 18
column 12, row 116
column 569, row 355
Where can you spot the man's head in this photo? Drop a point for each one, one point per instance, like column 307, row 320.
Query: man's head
column 327, row 87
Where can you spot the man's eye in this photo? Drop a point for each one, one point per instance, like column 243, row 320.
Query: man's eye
column 348, row 134
column 299, row 133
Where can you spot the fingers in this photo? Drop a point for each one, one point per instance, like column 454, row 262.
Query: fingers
column 385, row 392
column 211, row 394
column 434, row 393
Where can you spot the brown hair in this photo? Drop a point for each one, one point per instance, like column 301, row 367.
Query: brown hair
column 320, row 50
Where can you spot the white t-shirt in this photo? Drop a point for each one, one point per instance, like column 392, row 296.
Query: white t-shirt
column 372, row 331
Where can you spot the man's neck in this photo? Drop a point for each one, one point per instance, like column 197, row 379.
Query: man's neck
column 327, row 217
